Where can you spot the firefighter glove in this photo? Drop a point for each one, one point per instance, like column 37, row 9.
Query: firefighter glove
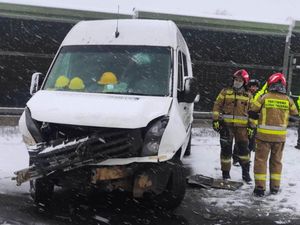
column 216, row 125
column 250, row 132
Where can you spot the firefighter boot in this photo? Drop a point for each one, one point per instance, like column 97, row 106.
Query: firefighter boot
column 274, row 190
column 245, row 173
column 259, row 191
column 225, row 175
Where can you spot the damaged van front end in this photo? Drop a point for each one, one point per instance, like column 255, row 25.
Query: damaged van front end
column 112, row 113
column 137, row 155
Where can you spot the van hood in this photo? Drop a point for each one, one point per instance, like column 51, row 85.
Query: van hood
column 97, row 110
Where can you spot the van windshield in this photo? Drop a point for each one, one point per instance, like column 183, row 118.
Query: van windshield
column 140, row 70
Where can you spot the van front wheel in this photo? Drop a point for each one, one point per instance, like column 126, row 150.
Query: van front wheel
column 175, row 190
column 41, row 191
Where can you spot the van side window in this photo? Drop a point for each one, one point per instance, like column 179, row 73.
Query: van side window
column 185, row 69
column 180, row 78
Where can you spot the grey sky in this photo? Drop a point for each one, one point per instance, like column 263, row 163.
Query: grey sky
column 273, row 11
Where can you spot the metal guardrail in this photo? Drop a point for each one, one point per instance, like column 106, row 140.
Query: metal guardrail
column 11, row 111
column 202, row 115
column 10, row 116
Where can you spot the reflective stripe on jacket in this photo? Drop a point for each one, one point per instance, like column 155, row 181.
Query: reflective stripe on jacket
column 232, row 107
column 274, row 109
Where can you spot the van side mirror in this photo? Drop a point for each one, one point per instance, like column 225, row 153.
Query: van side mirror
column 36, row 82
column 190, row 91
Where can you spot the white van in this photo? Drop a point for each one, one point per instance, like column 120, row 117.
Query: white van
column 113, row 112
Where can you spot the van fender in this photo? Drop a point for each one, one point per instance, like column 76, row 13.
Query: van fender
column 23, row 126
column 175, row 134
column 186, row 142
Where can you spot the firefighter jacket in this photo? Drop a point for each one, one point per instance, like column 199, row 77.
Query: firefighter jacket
column 274, row 109
column 232, row 107
column 253, row 122
column 261, row 92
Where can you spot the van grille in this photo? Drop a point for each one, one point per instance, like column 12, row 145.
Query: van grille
column 95, row 146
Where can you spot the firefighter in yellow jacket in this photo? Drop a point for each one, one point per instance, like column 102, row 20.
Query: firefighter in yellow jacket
column 272, row 111
column 252, row 88
column 230, row 119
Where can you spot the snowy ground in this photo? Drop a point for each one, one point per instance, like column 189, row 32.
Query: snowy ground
column 208, row 163
column 203, row 160
column 13, row 156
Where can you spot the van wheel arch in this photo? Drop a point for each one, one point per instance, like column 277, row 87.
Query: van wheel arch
column 188, row 147
column 176, row 187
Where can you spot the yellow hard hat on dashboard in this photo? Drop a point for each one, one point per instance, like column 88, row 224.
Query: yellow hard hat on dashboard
column 61, row 82
column 108, row 78
column 76, row 84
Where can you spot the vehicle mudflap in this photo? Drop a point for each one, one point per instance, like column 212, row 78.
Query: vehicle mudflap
column 210, row 182
column 153, row 179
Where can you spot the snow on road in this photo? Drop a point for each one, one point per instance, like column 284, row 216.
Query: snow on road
column 204, row 160
column 13, row 156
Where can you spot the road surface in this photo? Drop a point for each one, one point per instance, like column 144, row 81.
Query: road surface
column 200, row 206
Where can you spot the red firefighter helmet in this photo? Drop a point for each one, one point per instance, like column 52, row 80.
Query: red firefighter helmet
column 276, row 78
column 242, row 73
column 277, row 83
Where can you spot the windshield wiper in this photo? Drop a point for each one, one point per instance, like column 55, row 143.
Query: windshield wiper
column 130, row 93
column 138, row 93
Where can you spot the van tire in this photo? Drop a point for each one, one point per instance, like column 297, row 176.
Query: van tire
column 41, row 191
column 175, row 190
column 188, row 147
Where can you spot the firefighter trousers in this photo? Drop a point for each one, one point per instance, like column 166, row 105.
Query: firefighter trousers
column 240, row 136
column 262, row 152
column 251, row 146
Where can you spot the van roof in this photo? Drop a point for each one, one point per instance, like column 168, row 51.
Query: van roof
column 131, row 32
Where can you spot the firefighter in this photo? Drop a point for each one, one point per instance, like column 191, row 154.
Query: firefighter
column 272, row 111
column 252, row 88
column 230, row 119
column 298, row 141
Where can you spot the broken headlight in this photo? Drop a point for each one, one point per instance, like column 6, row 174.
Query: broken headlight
column 153, row 137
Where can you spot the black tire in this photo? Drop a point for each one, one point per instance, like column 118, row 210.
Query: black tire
column 188, row 147
column 175, row 190
column 41, row 191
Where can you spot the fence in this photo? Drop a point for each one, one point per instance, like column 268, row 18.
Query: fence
column 10, row 117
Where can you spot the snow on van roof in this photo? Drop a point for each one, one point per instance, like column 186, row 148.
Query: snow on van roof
column 131, row 32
